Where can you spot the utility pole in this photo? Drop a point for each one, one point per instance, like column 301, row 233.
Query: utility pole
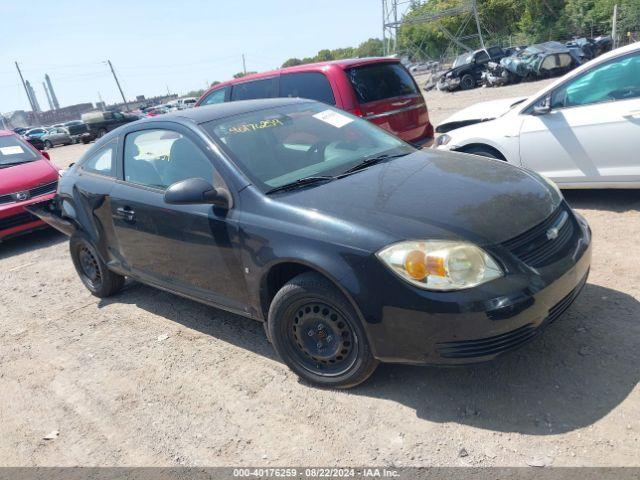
column 46, row 92
column 24, row 85
column 384, row 29
column 244, row 65
column 614, row 26
column 475, row 14
column 126, row 105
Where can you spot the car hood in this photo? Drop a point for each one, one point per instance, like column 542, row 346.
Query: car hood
column 434, row 194
column 26, row 175
column 480, row 112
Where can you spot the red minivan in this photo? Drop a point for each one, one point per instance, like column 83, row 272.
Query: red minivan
column 378, row 89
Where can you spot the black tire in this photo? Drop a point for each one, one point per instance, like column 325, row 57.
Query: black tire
column 93, row 272
column 47, row 145
column 318, row 334
column 467, row 82
column 483, row 152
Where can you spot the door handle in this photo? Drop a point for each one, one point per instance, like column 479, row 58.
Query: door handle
column 127, row 213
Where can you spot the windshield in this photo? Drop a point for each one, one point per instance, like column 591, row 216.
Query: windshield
column 463, row 59
column 379, row 81
column 277, row 146
column 14, row 151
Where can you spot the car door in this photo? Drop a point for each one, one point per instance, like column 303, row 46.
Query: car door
column 592, row 131
column 189, row 249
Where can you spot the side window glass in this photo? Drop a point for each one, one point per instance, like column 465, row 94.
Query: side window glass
column 312, row 85
column 159, row 158
column 256, row 89
column 482, row 57
column 613, row 81
column 102, row 162
column 216, row 96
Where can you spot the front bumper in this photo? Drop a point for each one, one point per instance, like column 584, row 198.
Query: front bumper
column 16, row 220
column 409, row 325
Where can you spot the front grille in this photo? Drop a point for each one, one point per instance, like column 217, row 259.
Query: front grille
column 489, row 345
column 16, row 220
column 44, row 189
column 536, row 248
column 507, row 341
column 34, row 192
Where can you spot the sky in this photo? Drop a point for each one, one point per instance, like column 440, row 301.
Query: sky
column 155, row 46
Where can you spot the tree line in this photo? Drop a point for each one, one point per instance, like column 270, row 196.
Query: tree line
column 517, row 22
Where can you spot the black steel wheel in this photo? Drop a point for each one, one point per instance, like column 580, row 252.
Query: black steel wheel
column 317, row 333
column 467, row 82
column 93, row 272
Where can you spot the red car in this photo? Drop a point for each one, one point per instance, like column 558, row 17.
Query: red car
column 378, row 89
column 26, row 176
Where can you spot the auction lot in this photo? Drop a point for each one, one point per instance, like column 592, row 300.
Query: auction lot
column 148, row 378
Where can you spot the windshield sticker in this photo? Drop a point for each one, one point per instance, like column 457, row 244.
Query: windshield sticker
column 333, row 118
column 250, row 127
column 13, row 150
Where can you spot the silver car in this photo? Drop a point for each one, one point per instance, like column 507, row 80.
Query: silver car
column 57, row 136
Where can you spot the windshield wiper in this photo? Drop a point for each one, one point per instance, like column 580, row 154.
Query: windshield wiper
column 301, row 182
column 371, row 161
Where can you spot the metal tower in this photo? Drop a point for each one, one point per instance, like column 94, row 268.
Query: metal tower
column 32, row 97
column 390, row 23
column 46, row 91
column 54, row 99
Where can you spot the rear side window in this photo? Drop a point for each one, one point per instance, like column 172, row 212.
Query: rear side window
column 217, row 96
column 102, row 161
column 312, row 85
column 257, row 89
column 380, row 81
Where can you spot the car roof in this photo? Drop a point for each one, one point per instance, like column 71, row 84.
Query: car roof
column 207, row 113
column 307, row 67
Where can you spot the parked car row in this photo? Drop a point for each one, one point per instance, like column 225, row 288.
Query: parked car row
column 582, row 131
column 495, row 66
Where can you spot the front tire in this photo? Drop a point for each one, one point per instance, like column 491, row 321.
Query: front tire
column 467, row 82
column 93, row 272
column 47, row 145
column 318, row 334
column 483, row 152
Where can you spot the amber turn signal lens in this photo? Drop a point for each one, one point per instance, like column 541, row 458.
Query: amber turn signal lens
column 415, row 264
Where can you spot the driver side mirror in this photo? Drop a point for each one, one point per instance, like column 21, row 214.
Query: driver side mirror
column 197, row 191
column 543, row 106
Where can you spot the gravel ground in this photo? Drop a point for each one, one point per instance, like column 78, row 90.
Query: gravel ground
column 148, row 378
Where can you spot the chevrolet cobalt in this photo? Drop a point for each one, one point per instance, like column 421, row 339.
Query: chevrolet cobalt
column 351, row 246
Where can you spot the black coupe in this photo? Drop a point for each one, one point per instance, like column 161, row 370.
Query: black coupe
column 350, row 245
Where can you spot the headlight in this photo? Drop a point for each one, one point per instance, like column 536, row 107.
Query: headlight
column 442, row 139
column 440, row 265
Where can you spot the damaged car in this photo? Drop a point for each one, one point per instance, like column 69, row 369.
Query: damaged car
column 466, row 72
column 545, row 60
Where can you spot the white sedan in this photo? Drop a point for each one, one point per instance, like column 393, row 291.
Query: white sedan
column 582, row 131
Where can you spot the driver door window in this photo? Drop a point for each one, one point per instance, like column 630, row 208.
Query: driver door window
column 159, row 158
column 613, row 81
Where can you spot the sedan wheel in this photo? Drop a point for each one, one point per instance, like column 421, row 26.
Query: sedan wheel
column 93, row 272
column 48, row 144
column 318, row 334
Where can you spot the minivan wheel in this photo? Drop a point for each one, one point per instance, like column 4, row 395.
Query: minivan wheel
column 93, row 272
column 317, row 333
column 467, row 82
column 48, row 144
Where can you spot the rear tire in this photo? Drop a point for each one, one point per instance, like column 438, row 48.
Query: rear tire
column 93, row 272
column 47, row 145
column 318, row 334
column 467, row 82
